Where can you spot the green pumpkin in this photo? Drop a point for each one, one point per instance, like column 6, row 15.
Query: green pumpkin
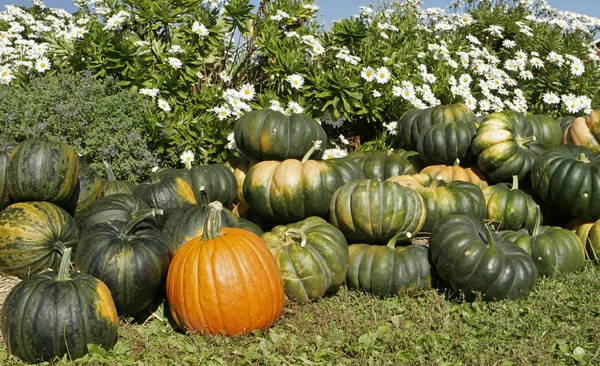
column 116, row 207
column 292, row 190
column 386, row 164
column 42, row 170
column 412, row 123
column 167, row 193
column 554, row 250
column 58, row 313
column 218, row 181
column 466, row 255
column 443, row 198
column 112, row 185
column 546, row 128
column 6, row 147
column 271, row 135
column 568, row 176
column 565, row 121
column 447, row 142
column 387, row 270
column 33, row 236
column 130, row 257
column 510, row 207
column 505, row 145
column 374, row 211
column 187, row 222
column 89, row 188
column 312, row 257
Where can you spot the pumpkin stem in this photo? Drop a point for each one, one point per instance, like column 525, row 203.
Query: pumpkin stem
column 437, row 181
column 154, row 178
column 213, row 223
column 583, row 157
column 204, row 197
column 515, row 182
column 291, row 232
column 523, row 141
column 316, row 146
column 110, row 175
column 456, row 162
column 538, row 221
column 63, row 269
column 136, row 218
column 400, row 236
column 489, row 235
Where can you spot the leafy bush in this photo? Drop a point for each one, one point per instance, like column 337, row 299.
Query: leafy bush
column 96, row 116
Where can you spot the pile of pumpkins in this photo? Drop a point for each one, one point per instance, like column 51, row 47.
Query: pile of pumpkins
column 227, row 244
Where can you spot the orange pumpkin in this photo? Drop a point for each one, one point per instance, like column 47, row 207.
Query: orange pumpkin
column 584, row 131
column 450, row 173
column 226, row 282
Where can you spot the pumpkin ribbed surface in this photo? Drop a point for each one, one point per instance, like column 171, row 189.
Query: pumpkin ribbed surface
column 42, row 170
column 32, row 236
column 225, row 285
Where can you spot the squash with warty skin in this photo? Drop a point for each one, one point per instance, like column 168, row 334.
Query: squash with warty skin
column 33, row 236
column 130, row 257
column 42, row 170
column 271, row 135
column 225, row 282
column 312, row 256
column 466, row 255
column 57, row 313
column 388, row 270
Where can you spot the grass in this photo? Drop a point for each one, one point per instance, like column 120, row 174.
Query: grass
column 557, row 324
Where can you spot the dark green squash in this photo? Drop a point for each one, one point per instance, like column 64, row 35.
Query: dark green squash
column 386, row 164
column 271, row 135
column 554, row 250
column 130, row 257
column 443, row 198
column 89, row 188
column 6, row 147
column 58, row 313
column 510, row 207
column 388, row 270
column 505, row 145
column 446, row 142
column 115, row 207
column 167, row 193
column 42, row 170
column 114, row 186
column 412, row 123
column 33, row 236
column 218, row 181
column 466, row 256
column 568, row 176
column 374, row 211
column 312, row 257
column 292, row 190
column 187, row 222
column 546, row 128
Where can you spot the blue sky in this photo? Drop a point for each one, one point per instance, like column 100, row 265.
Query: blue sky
column 338, row 9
